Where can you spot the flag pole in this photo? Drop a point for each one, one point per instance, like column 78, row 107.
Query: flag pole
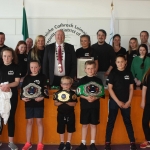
column 112, row 5
column 111, row 23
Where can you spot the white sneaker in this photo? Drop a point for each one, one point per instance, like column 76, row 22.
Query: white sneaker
column 12, row 146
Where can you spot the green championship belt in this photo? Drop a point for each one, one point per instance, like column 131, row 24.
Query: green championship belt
column 64, row 96
column 91, row 89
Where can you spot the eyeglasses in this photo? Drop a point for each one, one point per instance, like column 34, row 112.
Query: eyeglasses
column 65, row 83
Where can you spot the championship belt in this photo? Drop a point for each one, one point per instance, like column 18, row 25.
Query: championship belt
column 91, row 89
column 64, row 96
column 31, row 91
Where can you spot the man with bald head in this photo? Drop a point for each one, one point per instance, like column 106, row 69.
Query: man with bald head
column 59, row 60
column 29, row 43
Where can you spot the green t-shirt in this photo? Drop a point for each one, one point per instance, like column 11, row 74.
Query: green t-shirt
column 136, row 67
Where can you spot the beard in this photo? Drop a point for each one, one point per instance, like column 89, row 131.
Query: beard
column 100, row 41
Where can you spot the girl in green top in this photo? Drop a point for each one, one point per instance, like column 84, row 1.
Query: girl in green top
column 140, row 64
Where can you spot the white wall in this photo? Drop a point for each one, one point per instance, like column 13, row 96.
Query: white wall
column 132, row 16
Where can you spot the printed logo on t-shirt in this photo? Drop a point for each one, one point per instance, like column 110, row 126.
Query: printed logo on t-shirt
column 10, row 72
column 37, row 81
column 86, row 54
column 25, row 59
column 134, row 55
column 127, row 77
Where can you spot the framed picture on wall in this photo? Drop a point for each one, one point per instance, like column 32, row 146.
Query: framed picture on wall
column 81, row 66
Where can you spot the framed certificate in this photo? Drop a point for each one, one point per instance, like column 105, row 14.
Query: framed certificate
column 81, row 66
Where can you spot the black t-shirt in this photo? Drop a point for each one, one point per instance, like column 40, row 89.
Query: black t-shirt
column 1, row 61
column 121, row 81
column 130, row 58
column 146, row 83
column 39, row 84
column 8, row 73
column 22, row 63
column 106, row 56
column 84, row 104
column 121, row 51
column 65, row 108
column 88, row 52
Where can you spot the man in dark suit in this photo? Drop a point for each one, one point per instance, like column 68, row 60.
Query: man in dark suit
column 59, row 60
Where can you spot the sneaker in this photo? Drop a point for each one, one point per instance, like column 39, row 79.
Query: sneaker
column 40, row 146
column 81, row 147
column 145, row 144
column 68, row 146
column 12, row 146
column 27, row 146
column 133, row 146
column 61, row 146
column 93, row 147
column 107, row 146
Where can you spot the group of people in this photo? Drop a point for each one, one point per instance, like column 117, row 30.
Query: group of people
column 35, row 68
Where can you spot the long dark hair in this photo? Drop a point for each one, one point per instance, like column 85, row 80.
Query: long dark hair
column 19, row 43
column 145, row 46
column 116, row 35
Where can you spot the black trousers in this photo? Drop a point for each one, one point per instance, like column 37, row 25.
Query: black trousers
column 11, row 119
column 145, row 122
column 111, row 121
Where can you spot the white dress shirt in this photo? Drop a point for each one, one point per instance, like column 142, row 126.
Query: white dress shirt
column 56, row 72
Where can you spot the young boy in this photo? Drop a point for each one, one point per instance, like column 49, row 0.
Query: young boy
column 90, row 89
column 33, row 91
column 65, row 99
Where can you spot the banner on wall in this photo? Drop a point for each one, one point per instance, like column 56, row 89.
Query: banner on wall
column 70, row 31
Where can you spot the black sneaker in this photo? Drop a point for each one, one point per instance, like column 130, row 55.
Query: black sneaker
column 133, row 146
column 93, row 147
column 68, row 146
column 107, row 146
column 61, row 146
column 81, row 147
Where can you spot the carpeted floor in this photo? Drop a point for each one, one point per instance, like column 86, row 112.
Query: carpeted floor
column 54, row 147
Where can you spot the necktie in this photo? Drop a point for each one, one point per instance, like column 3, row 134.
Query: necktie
column 60, row 68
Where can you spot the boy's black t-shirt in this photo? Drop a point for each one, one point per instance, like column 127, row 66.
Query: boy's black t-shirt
column 121, row 81
column 84, row 104
column 8, row 73
column 88, row 52
column 38, row 80
column 146, row 82
column 65, row 108
column 22, row 63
